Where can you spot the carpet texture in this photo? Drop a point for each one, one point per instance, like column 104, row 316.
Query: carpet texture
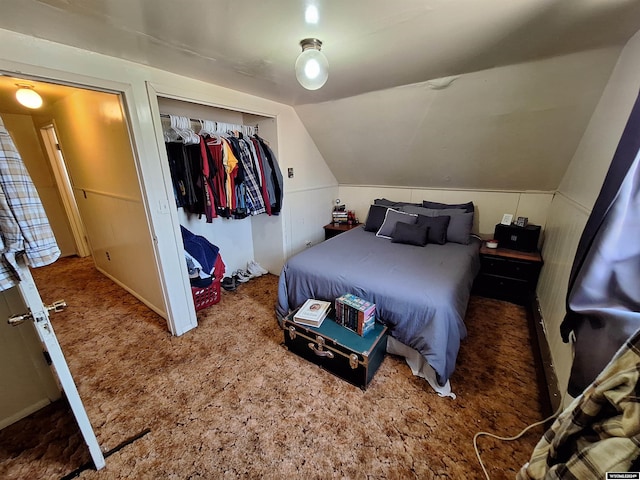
column 226, row 400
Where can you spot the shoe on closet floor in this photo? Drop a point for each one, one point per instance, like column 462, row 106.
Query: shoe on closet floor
column 259, row 267
column 255, row 270
column 241, row 276
column 229, row 284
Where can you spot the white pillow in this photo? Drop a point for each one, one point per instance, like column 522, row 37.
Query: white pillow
column 391, row 218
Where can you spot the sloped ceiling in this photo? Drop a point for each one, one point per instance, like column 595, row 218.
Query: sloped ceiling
column 508, row 128
column 529, row 73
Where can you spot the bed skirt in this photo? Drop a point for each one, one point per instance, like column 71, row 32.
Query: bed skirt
column 419, row 366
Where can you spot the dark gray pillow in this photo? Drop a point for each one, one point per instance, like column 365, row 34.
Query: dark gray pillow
column 468, row 207
column 411, row 234
column 391, row 203
column 391, row 218
column 437, row 228
column 375, row 218
column 432, row 212
column 459, row 229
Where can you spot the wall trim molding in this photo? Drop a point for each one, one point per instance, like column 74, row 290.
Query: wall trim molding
column 309, row 189
column 25, row 412
column 118, row 196
column 134, row 293
column 574, row 203
column 548, row 377
column 449, row 189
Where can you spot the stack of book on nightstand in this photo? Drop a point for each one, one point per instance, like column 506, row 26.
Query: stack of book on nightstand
column 355, row 313
column 312, row 313
column 340, row 216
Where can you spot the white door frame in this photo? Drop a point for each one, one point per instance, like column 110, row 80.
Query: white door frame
column 180, row 313
column 65, row 187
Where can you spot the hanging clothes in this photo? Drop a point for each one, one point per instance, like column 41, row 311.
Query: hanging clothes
column 230, row 162
column 276, row 177
column 259, row 173
column 24, row 226
column 265, row 169
column 230, row 175
column 208, row 173
column 197, row 206
column 255, row 203
column 180, row 176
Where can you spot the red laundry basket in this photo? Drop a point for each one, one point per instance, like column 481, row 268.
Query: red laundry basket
column 207, row 296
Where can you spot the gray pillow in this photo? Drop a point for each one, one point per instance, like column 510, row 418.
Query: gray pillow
column 411, row 234
column 432, row 212
column 375, row 218
column 437, row 228
column 391, row 203
column 391, row 218
column 459, row 229
column 468, row 207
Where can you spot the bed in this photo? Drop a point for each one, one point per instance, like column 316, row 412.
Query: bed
column 421, row 292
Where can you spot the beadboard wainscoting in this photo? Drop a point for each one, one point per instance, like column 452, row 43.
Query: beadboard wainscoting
column 565, row 224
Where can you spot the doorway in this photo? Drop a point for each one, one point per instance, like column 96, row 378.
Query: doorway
column 65, row 188
column 78, row 150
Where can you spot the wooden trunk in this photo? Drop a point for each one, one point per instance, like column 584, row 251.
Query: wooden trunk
column 337, row 349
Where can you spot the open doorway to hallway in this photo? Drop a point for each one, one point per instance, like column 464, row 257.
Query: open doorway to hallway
column 86, row 176
column 87, row 180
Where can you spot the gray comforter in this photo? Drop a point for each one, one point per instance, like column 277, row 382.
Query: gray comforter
column 421, row 293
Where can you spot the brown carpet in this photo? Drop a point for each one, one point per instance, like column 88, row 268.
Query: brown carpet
column 226, row 400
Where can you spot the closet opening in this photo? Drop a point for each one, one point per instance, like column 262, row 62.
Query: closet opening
column 240, row 235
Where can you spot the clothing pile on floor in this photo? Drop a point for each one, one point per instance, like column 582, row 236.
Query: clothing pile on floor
column 204, row 262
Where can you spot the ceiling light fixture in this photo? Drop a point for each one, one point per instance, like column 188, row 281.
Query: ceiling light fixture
column 312, row 68
column 27, row 96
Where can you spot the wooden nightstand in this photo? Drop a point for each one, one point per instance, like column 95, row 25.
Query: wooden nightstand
column 331, row 229
column 508, row 275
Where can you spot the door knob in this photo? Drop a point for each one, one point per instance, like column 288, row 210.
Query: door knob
column 16, row 320
column 57, row 306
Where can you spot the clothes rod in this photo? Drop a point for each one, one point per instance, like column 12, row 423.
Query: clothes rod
column 197, row 120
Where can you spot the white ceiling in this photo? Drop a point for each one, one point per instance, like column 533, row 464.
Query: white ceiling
column 251, row 45
column 528, row 74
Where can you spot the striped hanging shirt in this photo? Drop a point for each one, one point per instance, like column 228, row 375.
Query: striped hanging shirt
column 24, row 226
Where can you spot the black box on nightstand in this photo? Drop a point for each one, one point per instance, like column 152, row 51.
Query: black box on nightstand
column 524, row 239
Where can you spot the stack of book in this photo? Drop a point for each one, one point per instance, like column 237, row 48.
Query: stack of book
column 340, row 216
column 312, row 313
column 355, row 313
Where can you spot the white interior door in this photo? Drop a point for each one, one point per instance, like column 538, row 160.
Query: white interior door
column 27, row 382
column 38, row 314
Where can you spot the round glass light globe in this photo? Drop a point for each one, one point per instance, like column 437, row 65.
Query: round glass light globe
column 29, row 98
column 312, row 69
